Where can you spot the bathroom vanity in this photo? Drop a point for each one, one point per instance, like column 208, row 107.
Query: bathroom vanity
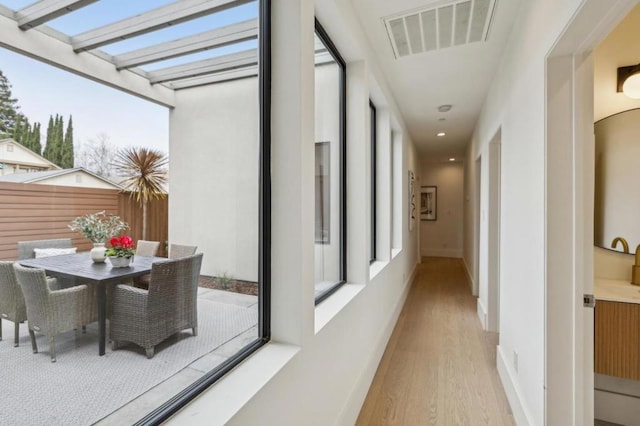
column 617, row 328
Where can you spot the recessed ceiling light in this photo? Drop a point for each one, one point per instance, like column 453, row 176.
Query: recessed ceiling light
column 452, row 159
column 441, row 119
column 444, row 108
column 441, row 134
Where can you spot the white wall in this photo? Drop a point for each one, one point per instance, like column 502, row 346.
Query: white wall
column 213, row 151
column 318, row 367
column 443, row 237
column 516, row 105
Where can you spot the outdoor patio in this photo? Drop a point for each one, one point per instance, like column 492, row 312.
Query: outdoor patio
column 123, row 385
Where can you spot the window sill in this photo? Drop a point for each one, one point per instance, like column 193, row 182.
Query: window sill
column 223, row 400
column 395, row 252
column 330, row 307
column 376, row 267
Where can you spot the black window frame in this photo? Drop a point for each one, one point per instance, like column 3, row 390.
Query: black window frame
column 374, row 181
column 184, row 397
column 342, row 144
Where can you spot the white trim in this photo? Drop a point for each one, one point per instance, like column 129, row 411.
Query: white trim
column 376, row 267
column 617, row 408
column 428, row 252
column 482, row 313
column 521, row 414
column 472, row 284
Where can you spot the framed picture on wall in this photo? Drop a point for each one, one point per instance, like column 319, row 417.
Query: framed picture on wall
column 429, row 203
column 412, row 200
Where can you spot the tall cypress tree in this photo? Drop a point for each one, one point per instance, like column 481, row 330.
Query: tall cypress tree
column 48, row 148
column 59, row 128
column 9, row 108
column 36, row 146
column 67, row 146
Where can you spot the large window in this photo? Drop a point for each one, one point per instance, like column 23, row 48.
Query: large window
column 374, row 172
column 206, row 71
column 330, row 158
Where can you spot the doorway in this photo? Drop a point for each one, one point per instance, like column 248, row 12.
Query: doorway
column 569, row 146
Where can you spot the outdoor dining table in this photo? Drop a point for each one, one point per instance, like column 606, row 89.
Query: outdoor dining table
column 81, row 267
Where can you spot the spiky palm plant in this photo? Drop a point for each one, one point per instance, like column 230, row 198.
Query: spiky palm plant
column 144, row 172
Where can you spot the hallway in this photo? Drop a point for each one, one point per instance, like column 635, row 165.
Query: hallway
column 439, row 367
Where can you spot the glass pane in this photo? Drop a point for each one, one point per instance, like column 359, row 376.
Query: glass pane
column 211, row 205
column 328, row 241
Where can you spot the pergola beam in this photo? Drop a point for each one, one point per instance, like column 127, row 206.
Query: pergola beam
column 242, row 59
column 53, row 51
column 242, row 31
column 161, row 17
column 204, row 80
column 46, row 10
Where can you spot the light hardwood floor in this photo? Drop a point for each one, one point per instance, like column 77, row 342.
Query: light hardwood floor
column 439, row 367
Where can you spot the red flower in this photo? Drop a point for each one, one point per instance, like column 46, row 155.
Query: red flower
column 121, row 246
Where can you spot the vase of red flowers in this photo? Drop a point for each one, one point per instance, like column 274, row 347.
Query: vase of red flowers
column 120, row 251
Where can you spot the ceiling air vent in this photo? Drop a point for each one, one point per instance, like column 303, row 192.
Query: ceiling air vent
column 447, row 25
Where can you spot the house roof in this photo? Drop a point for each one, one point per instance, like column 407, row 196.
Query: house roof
column 18, row 145
column 35, row 177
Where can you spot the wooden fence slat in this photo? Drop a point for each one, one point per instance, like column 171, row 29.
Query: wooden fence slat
column 34, row 212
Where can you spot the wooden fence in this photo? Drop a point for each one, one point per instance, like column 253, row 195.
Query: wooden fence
column 41, row 212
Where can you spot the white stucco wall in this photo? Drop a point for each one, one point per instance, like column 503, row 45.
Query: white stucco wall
column 213, row 153
column 443, row 237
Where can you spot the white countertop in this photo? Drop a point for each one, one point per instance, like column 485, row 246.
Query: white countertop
column 616, row 291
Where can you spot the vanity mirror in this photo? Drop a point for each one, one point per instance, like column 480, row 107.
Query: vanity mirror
column 617, row 181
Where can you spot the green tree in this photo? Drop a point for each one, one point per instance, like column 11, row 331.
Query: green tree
column 145, row 174
column 34, row 138
column 66, row 157
column 9, row 109
column 54, row 150
column 48, row 148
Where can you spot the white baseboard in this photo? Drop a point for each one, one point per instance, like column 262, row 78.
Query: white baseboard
column 472, row 283
column 441, row 252
column 482, row 313
column 520, row 413
column 616, row 408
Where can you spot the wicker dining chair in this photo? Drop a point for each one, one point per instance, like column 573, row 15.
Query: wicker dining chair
column 54, row 311
column 176, row 251
column 26, row 250
column 147, row 248
column 12, row 305
column 148, row 317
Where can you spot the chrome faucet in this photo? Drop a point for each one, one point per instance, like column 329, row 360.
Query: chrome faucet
column 625, row 244
column 635, row 269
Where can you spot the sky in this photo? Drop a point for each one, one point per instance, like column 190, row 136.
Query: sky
column 43, row 90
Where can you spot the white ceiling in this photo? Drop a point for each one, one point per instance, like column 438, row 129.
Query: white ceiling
column 459, row 76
